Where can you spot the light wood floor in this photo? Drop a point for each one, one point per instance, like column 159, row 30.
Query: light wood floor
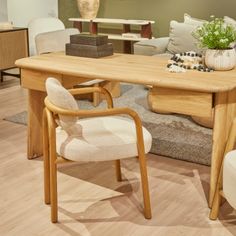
column 91, row 202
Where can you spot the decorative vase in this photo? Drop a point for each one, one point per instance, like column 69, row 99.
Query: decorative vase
column 88, row 8
column 220, row 59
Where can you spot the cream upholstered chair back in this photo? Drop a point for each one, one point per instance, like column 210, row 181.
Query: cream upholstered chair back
column 60, row 97
column 53, row 41
column 41, row 25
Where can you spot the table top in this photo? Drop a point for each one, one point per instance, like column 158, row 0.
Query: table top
column 11, row 29
column 128, row 68
column 114, row 21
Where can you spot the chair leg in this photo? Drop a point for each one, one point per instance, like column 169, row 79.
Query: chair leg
column 46, row 178
column 144, row 180
column 53, row 190
column 1, row 76
column 215, row 206
column 46, row 161
column 112, row 87
column 96, row 97
column 118, row 171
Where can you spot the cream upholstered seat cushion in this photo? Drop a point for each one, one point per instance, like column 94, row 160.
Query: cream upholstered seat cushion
column 229, row 178
column 104, row 138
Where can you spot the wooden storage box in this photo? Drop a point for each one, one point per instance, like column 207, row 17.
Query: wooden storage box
column 89, row 50
column 89, row 39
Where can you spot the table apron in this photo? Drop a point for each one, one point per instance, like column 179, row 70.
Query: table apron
column 35, row 79
column 181, row 101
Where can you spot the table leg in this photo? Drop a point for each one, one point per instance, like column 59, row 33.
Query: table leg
column 127, row 44
column 35, row 114
column 225, row 111
column 93, row 27
column 1, row 76
column 146, row 31
column 78, row 25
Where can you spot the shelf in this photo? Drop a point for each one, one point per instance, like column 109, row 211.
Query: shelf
column 120, row 37
column 145, row 31
column 114, row 21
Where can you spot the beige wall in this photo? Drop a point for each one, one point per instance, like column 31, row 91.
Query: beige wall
column 20, row 12
column 162, row 11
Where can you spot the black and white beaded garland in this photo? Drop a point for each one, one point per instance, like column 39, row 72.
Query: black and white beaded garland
column 191, row 60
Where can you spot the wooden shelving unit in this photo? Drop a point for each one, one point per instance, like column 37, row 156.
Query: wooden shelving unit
column 145, row 29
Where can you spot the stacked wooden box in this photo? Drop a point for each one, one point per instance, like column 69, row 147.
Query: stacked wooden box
column 89, row 45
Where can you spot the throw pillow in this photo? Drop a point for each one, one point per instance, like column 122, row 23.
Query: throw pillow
column 230, row 21
column 181, row 39
column 192, row 21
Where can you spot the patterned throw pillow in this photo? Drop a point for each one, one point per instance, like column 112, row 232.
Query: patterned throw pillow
column 230, row 21
column 181, row 39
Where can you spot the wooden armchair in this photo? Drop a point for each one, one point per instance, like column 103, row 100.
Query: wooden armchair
column 226, row 185
column 101, row 136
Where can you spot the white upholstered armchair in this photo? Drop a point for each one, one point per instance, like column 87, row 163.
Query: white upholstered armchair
column 103, row 135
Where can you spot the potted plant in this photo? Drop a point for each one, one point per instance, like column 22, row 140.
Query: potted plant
column 218, row 38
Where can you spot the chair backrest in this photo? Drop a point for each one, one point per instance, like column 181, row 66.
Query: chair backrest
column 53, row 41
column 62, row 98
column 41, row 25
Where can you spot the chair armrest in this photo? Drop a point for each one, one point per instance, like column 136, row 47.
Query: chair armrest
column 98, row 113
column 89, row 113
column 151, row 47
column 105, row 92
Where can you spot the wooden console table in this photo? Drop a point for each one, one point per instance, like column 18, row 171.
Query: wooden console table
column 13, row 46
column 191, row 93
column 145, row 32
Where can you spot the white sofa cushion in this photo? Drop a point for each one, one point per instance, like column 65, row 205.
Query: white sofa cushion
column 151, row 47
column 40, row 25
column 104, row 138
column 60, row 97
column 229, row 20
column 193, row 21
column 181, row 39
column 229, row 178
column 54, row 41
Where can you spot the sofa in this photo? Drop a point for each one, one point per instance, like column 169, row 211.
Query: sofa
column 180, row 38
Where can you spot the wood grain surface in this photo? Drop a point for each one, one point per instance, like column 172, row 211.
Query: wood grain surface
column 132, row 69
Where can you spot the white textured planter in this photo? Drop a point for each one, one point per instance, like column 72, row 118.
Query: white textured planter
column 220, row 59
column 88, row 8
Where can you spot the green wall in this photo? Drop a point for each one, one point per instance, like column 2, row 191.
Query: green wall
column 162, row 11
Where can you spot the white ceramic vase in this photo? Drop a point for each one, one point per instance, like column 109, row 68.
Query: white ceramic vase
column 220, row 59
column 88, row 8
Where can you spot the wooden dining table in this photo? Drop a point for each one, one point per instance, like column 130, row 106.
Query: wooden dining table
column 191, row 93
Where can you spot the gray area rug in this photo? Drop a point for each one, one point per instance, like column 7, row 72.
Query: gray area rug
column 175, row 136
